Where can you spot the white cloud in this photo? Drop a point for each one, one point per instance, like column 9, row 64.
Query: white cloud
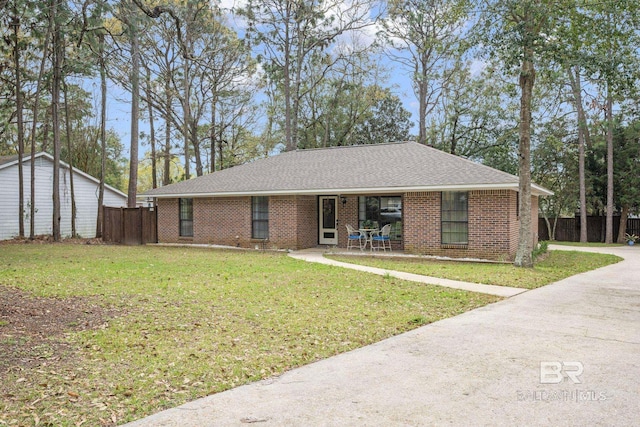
column 228, row 5
column 476, row 67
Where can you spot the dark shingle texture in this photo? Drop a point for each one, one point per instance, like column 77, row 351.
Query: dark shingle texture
column 8, row 159
column 354, row 168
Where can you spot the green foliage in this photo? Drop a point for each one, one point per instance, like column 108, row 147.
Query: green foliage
column 388, row 121
column 626, row 172
column 477, row 117
column 540, row 249
column 349, row 114
column 87, row 155
column 627, row 165
column 555, row 167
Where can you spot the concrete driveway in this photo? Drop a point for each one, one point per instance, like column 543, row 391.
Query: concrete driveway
column 564, row 354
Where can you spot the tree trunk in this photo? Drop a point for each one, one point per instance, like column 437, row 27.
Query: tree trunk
column 196, row 145
column 454, row 139
column 609, row 222
column 167, row 137
column 555, row 226
column 582, row 182
column 550, row 230
column 220, row 147
column 295, row 95
column 70, row 160
column 214, row 102
column 422, row 105
column 186, row 112
column 34, row 127
column 103, row 135
column 152, row 133
column 55, row 119
column 286, row 70
column 186, row 97
column 583, row 140
column 135, row 112
column 15, row 22
column 46, row 130
column 622, row 230
column 525, row 239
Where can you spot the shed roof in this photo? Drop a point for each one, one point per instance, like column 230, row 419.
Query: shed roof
column 8, row 161
column 380, row 168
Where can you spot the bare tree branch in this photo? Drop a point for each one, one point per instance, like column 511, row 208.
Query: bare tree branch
column 155, row 14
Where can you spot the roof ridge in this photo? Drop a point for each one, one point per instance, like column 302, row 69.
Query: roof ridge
column 334, row 147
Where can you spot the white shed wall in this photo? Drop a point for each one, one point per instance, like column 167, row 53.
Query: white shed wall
column 86, row 196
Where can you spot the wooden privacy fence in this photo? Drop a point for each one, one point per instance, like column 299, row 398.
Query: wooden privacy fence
column 129, row 226
column 568, row 229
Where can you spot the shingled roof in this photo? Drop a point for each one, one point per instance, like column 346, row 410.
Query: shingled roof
column 8, row 159
column 378, row 169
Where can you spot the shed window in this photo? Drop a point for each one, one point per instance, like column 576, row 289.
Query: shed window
column 455, row 218
column 186, row 217
column 260, row 217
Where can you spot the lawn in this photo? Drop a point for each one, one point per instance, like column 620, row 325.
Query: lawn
column 554, row 266
column 587, row 245
column 102, row 335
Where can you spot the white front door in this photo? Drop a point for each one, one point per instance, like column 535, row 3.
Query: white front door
column 328, row 220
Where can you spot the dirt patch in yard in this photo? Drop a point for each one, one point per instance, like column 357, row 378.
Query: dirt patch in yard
column 32, row 329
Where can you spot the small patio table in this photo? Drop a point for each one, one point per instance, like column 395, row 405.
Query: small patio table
column 368, row 234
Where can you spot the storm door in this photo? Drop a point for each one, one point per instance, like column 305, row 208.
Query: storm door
column 328, row 220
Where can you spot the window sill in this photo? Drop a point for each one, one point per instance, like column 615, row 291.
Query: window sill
column 454, row 246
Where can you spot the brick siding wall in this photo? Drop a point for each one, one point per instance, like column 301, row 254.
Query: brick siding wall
column 347, row 214
column 307, row 221
column 168, row 220
column 283, row 222
column 227, row 221
column 492, row 222
column 293, row 223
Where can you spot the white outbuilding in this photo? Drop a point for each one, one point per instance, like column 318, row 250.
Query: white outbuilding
column 86, row 189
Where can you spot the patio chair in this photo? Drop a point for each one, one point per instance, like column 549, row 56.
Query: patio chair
column 382, row 239
column 354, row 236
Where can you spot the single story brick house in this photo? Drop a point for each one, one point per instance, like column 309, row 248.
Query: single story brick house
column 436, row 203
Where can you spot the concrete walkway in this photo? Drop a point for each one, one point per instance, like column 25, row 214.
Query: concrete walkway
column 316, row 255
column 479, row 368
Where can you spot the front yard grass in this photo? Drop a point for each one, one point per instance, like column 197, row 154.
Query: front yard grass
column 182, row 323
column 554, row 266
column 586, row 245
